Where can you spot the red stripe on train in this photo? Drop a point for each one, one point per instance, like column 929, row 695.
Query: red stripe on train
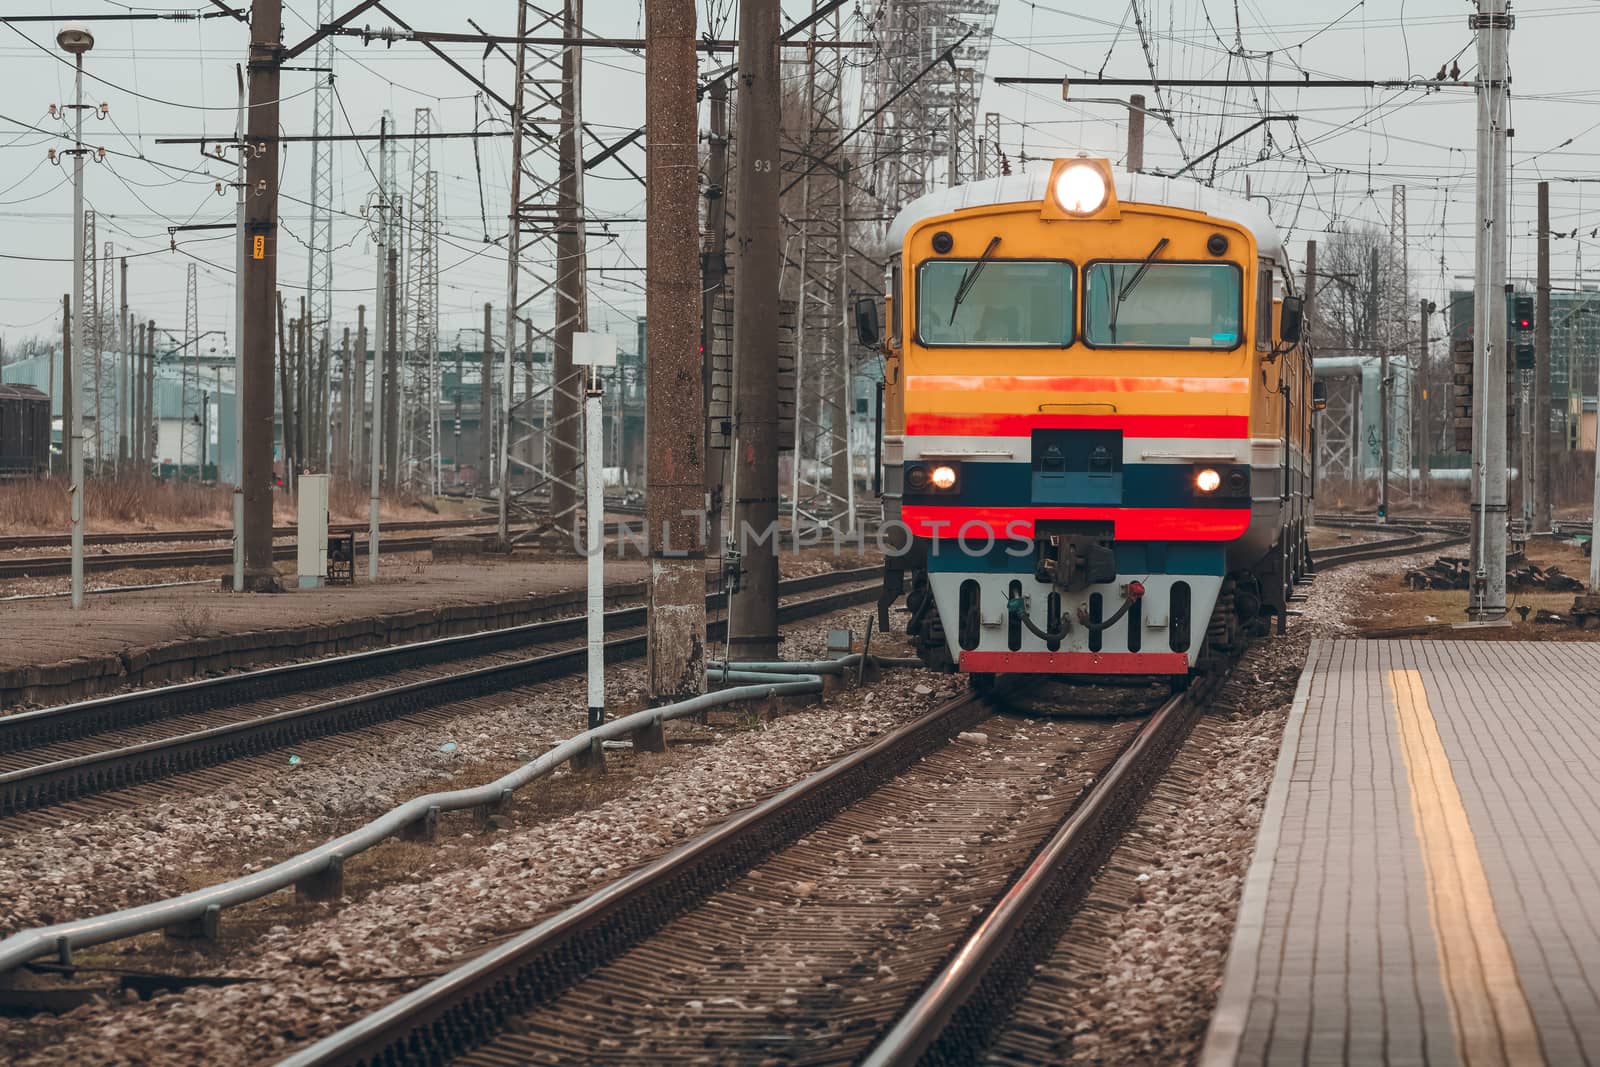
column 1130, row 524
column 1021, row 425
column 1075, row 662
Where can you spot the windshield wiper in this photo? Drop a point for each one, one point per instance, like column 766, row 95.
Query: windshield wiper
column 1138, row 276
column 969, row 278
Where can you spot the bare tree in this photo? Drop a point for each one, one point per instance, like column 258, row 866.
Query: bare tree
column 1363, row 303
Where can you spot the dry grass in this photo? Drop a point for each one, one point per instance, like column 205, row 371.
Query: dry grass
column 121, row 505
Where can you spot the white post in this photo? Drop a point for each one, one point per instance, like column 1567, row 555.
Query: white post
column 595, row 538
column 75, row 416
column 592, row 351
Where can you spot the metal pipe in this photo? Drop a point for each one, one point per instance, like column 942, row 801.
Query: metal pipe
column 595, row 547
column 33, row 944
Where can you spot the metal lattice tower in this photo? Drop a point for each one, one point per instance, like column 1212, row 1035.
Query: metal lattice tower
column 821, row 490
column 319, row 257
column 420, row 312
column 189, row 405
column 1338, row 430
column 914, row 133
column 535, row 263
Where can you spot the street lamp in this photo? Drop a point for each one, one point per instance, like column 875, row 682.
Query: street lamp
column 75, row 38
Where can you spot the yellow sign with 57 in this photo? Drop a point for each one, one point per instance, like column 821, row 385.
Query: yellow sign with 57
column 258, row 247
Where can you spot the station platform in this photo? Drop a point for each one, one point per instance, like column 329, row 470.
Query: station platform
column 1426, row 882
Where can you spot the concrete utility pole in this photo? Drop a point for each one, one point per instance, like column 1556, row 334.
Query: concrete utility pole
column 1543, row 458
column 753, row 614
column 69, row 395
column 566, row 459
column 358, row 402
column 76, row 39
column 341, row 440
column 1424, row 431
column 714, row 279
column 486, row 400
column 1136, row 133
column 152, row 428
column 260, row 282
column 675, row 451
column 1384, row 392
column 381, row 297
column 391, row 374
column 1488, row 594
column 122, row 370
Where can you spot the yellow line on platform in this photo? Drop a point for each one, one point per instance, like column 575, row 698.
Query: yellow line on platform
column 1492, row 1020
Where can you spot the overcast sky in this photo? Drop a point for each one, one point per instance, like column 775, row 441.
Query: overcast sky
column 1336, row 166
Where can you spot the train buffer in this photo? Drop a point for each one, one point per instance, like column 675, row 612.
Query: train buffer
column 1424, row 889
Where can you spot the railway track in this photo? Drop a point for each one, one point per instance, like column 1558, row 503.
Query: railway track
column 815, row 925
column 147, row 537
column 46, row 566
column 1405, row 541
column 83, row 757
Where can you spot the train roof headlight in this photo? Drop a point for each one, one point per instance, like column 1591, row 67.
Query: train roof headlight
column 1081, row 189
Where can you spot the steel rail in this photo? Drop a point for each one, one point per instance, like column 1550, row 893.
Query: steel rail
column 45, row 785
column 448, row 1014
column 951, row 1020
column 141, row 537
column 203, row 906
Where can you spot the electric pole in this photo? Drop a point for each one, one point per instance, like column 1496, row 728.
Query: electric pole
column 122, row 370
column 1543, row 457
column 714, row 280
column 1489, row 472
column 260, row 283
column 675, row 451
column 753, row 613
column 1424, row 430
column 391, row 373
column 485, row 401
column 358, row 404
column 1136, row 133
column 1375, row 304
column 566, row 458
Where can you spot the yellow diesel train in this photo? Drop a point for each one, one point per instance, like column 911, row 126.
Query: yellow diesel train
column 1097, row 423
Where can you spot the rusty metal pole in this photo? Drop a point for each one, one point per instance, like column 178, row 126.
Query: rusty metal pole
column 260, row 284
column 566, row 457
column 753, row 614
column 714, row 280
column 675, row 446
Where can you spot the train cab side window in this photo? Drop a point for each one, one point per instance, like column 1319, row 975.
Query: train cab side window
column 897, row 307
column 1264, row 306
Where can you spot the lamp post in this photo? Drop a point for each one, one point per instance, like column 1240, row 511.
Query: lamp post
column 76, row 39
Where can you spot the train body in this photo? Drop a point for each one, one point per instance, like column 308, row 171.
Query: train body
column 1097, row 420
column 24, row 432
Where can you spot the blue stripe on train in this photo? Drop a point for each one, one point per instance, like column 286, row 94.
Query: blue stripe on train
column 1140, row 485
column 1133, row 557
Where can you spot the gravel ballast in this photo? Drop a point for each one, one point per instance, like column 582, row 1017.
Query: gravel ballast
column 421, row 906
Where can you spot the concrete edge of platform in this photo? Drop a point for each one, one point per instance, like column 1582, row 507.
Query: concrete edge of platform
column 1232, row 1012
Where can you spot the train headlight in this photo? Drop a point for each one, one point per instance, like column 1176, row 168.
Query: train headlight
column 1207, row 480
column 943, row 477
column 1081, row 189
